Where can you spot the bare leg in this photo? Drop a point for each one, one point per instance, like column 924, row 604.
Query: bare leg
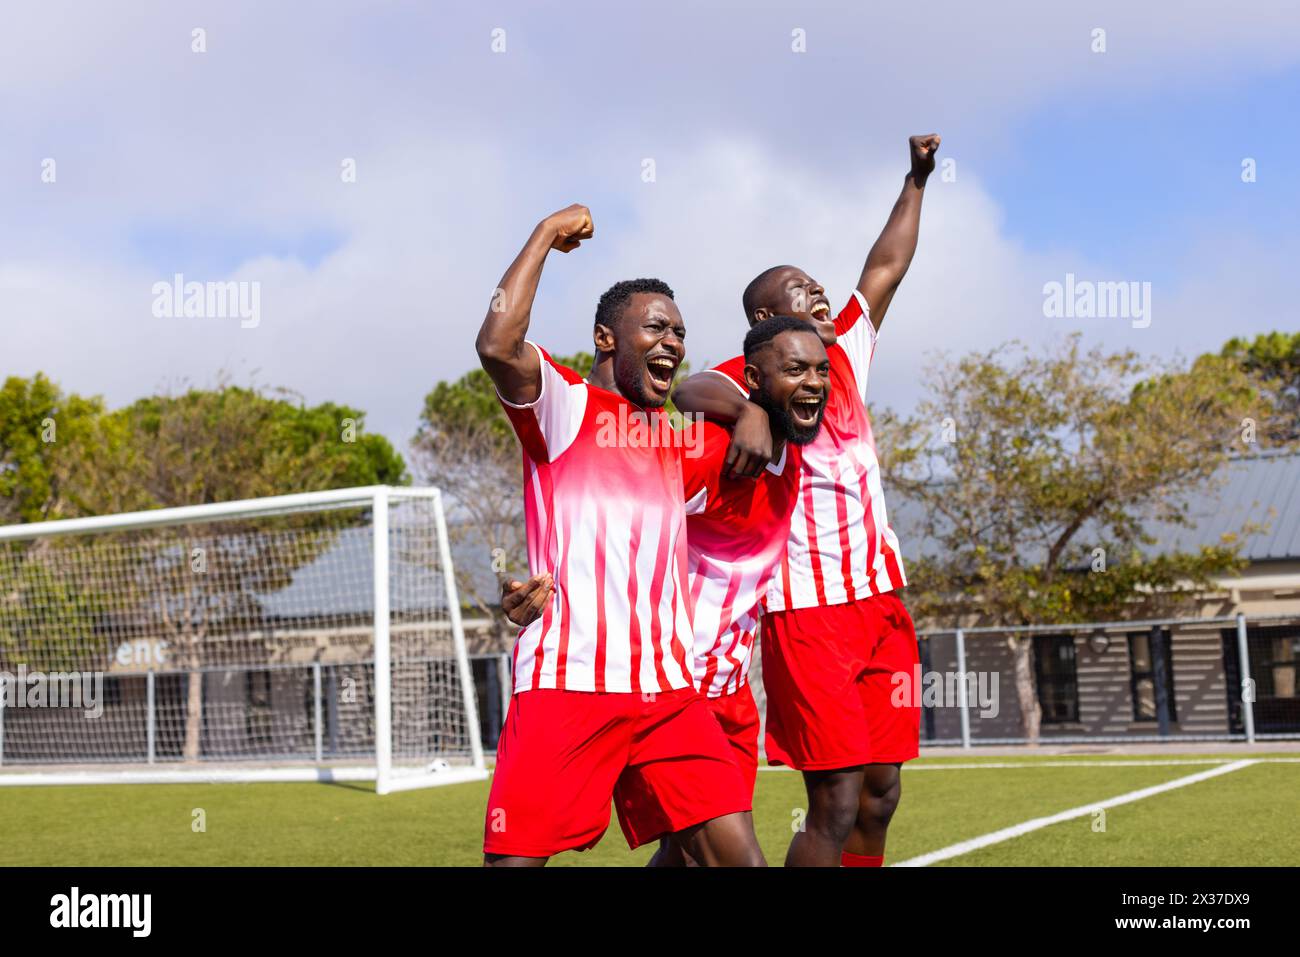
column 881, row 789
column 509, row 860
column 833, row 798
column 672, row 854
column 726, row 841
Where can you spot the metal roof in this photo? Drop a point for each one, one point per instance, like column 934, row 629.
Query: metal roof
column 1263, row 489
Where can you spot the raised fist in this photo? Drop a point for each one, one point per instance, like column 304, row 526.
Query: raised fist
column 569, row 227
column 923, row 148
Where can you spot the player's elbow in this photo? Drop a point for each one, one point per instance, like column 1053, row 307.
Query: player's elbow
column 887, row 266
column 493, row 348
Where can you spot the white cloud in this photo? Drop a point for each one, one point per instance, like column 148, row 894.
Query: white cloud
column 761, row 157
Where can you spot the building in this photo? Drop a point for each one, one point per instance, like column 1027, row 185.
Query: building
column 1179, row 680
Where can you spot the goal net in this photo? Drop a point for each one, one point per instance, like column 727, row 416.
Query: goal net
column 300, row 637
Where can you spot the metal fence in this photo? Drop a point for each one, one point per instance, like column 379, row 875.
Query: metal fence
column 1217, row 678
column 1220, row 678
column 309, row 713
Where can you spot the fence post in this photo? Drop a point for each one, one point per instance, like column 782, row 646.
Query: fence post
column 962, row 703
column 3, row 680
column 383, row 660
column 150, row 716
column 1158, row 665
column 316, row 708
column 1247, row 700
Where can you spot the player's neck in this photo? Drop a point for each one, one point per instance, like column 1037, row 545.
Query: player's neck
column 602, row 375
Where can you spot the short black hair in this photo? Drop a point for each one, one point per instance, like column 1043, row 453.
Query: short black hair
column 761, row 333
column 756, row 291
column 614, row 299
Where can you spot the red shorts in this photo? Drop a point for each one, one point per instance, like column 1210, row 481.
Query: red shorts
column 563, row 755
column 738, row 715
column 831, row 694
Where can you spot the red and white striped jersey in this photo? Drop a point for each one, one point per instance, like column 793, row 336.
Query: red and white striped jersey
column 841, row 547
column 736, row 530
column 603, row 506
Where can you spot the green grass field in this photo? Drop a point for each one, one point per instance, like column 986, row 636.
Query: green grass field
column 1249, row 816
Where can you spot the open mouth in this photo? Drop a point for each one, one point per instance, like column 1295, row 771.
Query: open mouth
column 805, row 409
column 821, row 310
column 661, row 370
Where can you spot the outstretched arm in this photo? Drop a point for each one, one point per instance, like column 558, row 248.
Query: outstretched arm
column 892, row 253
column 712, row 396
column 513, row 366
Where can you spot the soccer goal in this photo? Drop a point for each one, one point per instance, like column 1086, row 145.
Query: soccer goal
column 295, row 638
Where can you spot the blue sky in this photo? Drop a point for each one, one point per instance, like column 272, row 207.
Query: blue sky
column 225, row 165
column 1132, row 177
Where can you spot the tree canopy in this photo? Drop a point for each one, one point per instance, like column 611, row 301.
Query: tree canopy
column 38, row 422
column 1274, row 358
column 1036, row 479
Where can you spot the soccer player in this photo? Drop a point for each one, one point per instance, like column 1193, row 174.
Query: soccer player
column 835, row 631
column 604, row 704
column 736, row 531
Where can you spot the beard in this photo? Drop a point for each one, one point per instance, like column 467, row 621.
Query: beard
column 785, row 423
column 629, row 375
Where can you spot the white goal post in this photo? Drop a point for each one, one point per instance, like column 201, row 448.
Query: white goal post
column 309, row 637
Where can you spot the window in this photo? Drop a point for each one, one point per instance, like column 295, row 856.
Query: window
column 927, row 713
column 257, row 720
column 112, row 691
column 1057, row 678
column 1274, row 656
column 1142, row 676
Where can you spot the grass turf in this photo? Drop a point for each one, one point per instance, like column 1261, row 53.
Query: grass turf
column 1251, row 816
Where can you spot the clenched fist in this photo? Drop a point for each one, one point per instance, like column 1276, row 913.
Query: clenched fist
column 569, row 227
column 524, row 602
column 923, row 148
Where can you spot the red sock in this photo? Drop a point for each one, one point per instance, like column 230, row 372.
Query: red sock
column 861, row 860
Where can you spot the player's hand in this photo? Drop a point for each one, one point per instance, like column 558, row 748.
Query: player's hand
column 751, row 444
column 923, row 149
column 569, row 227
column 524, row 602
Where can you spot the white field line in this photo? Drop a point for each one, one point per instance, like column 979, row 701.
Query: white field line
column 1007, row 833
column 975, row 766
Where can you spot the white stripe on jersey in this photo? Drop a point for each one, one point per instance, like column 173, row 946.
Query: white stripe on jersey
column 583, row 498
column 835, row 470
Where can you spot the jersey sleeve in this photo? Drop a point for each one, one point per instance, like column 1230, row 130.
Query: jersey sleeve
column 734, row 371
column 549, row 424
column 856, row 335
column 702, row 462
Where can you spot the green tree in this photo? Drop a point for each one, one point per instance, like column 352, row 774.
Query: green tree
column 42, row 431
column 215, row 445
column 38, row 424
column 227, row 443
column 1274, row 359
column 1038, row 477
